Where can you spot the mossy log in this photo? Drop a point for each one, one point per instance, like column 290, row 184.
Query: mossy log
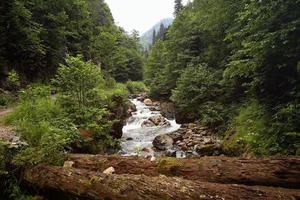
column 92, row 185
column 282, row 172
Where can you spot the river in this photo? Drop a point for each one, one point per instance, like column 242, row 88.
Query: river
column 135, row 137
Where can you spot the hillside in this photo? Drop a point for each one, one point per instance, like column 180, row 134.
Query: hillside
column 146, row 38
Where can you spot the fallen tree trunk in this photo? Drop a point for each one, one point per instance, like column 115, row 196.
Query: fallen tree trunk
column 283, row 172
column 93, row 185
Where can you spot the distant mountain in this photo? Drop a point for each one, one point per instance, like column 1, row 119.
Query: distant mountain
column 146, row 38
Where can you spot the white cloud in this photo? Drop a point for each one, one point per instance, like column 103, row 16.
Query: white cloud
column 140, row 15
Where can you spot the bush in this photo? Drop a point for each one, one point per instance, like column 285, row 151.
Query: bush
column 6, row 99
column 78, row 80
column 136, row 87
column 44, row 125
column 13, row 81
column 83, row 95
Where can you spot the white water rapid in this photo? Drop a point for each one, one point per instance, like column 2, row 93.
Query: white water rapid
column 135, row 137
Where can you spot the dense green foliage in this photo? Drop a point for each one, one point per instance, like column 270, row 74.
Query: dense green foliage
column 36, row 36
column 79, row 112
column 135, row 87
column 78, row 118
column 234, row 65
column 43, row 125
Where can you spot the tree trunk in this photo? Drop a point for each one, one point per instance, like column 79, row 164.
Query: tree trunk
column 284, row 172
column 93, row 185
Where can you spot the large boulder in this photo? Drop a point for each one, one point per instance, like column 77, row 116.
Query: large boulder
column 159, row 120
column 183, row 117
column 176, row 136
column 131, row 109
column 168, row 109
column 208, row 149
column 163, row 142
column 148, row 102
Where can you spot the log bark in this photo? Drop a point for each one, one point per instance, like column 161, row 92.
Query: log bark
column 93, row 185
column 282, row 172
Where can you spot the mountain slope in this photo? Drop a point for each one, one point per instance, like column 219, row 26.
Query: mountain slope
column 146, row 38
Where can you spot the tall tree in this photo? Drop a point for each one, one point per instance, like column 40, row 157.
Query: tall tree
column 178, row 7
column 153, row 37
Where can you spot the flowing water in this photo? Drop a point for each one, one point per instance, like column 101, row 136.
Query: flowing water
column 135, row 137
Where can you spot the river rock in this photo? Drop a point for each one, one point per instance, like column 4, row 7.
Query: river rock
column 148, row 102
column 171, row 153
column 154, row 108
column 131, row 109
column 148, row 150
column 207, row 150
column 175, row 136
column 147, row 123
column 159, row 120
column 163, row 142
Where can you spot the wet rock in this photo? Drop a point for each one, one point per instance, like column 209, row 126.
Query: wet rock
column 154, row 108
column 159, row 120
column 131, row 109
column 171, row 153
column 148, row 102
column 129, row 139
column 141, row 98
column 134, row 96
column 147, row 123
column 148, row 150
column 130, row 119
column 163, row 142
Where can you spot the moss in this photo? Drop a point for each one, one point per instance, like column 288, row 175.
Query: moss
column 234, row 144
column 168, row 166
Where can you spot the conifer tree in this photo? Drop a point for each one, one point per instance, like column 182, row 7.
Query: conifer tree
column 153, row 37
column 178, row 7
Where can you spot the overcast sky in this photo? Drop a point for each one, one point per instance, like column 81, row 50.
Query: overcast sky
column 140, row 15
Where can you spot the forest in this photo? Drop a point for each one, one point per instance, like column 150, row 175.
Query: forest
column 222, row 83
column 234, row 66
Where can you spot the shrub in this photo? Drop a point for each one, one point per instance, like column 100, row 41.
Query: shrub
column 286, row 128
column 78, row 80
column 3, row 153
column 83, row 95
column 135, row 87
column 44, row 125
column 7, row 99
column 13, row 80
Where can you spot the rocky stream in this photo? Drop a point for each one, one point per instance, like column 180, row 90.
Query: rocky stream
column 149, row 132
